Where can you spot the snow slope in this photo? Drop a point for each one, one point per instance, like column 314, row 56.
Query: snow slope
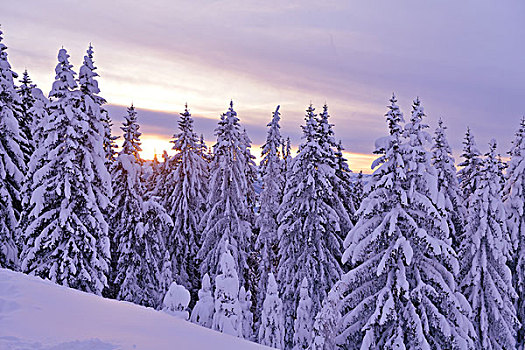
column 37, row 314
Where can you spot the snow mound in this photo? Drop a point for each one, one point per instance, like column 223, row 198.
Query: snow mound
column 37, row 314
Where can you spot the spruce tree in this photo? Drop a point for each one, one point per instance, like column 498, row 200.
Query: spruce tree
column 246, row 316
column 449, row 198
column 184, row 197
column 66, row 236
column 486, row 278
column 309, row 229
column 27, row 120
column 137, row 248
column 228, row 215
column 271, row 331
column 12, row 164
column 304, row 321
column 227, row 316
column 271, row 170
column 469, row 168
column 514, row 200
column 202, row 313
column 400, row 291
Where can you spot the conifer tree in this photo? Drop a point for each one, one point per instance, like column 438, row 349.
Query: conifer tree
column 66, row 236
column 226, row 318
column 450, row 195
column 246, row 316
column 486, row 278
column 228, row 215
column 309, row 228
column 136, row 246
column 12, row 165
column 271, row 331
column 358, row 193
column 469, row 168
column 27, row 121
column 184, row 196
column 202, row 313
column 176, row 301
column 345, row 189
column 303, row 323
column 271, row 170
column 400, row 291
column 514, row 200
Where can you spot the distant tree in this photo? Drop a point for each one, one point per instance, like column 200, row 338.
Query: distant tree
column 450, row 195
column 271, row 331
column 27, row 120
column 486, row 279
column 469, row 168
column 65, row 234
column 12, row 163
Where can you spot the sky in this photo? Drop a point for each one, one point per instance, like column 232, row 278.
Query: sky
column 464, row 59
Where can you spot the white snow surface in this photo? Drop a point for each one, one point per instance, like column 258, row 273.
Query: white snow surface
column 37, row 314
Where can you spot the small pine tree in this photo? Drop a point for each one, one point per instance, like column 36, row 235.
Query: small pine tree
column 246, row 319
column 176, row 301
column 303, row 323
column 486, row 279
column 226, row 318
column 271, row 331
column 27, row 120
column 203, row 311
column 12, row 164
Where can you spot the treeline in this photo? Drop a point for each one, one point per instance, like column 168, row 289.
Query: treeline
column 416, row 256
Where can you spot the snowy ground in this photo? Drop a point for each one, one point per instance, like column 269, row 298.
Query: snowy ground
column 37, row 314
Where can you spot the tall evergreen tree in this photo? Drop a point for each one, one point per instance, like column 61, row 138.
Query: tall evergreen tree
column 137, row 248
column 184, row 197
column 401, row 292
column 469, row 168
column 228, row 215
column 309, row 229
column 450, row 195
column 12, row 165
column 486, row 278
column 271, row 170
column 27, row 120
column 66, row 236
column 514, row 200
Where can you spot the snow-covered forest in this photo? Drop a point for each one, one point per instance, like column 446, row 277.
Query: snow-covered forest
column 297, row 252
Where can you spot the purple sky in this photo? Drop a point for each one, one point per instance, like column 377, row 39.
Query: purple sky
column 463, row 58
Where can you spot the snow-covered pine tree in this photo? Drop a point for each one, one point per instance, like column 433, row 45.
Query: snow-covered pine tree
column 136, row 249
column 303, row 323
column 514, row 200
column 183, row 194
column 271, row 330
column 12, row 165
column 486, row 278
column 176, row 301
column 358, row 193
column 309, row 244
column 400, row 291
column 228, row 215
column 226, row 318
column 333, row 158
column 468, row 174
column 287, row 156
column 327, row 320
column 27, row 120
column 246, row 317
column 449, row 198
column 66, row 237
column 202, row 313
column 271, row 170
